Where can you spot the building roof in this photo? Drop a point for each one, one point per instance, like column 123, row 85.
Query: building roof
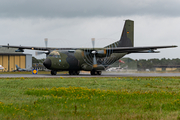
column 10, row 51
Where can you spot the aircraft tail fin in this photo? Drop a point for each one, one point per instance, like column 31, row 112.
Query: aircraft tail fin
column 17, row 67
column 127, row 36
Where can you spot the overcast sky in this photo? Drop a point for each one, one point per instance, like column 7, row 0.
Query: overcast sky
column 72, row 23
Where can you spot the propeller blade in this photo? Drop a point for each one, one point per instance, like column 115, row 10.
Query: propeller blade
column 94, row 61
column 94, row 53
column 46, row 42
column 93, row 42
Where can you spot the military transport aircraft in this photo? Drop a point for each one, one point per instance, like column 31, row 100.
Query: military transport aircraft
column 92, row 59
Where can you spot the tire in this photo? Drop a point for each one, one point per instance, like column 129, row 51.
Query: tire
column 77, row 72
column 70, row 72
column 92, row 72
column 53, row 72
column 74, row 72
column 99, row 72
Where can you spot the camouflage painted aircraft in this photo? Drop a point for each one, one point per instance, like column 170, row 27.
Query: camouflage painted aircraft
column 92, row 59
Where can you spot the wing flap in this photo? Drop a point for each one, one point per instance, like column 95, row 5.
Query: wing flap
column 36, row 48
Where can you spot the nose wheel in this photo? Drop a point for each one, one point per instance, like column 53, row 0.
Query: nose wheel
column 53, row 72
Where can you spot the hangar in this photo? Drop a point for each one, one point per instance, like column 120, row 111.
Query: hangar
column 9, row 58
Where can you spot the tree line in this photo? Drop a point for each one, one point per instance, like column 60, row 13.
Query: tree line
column 35, row 60
column 143, row 64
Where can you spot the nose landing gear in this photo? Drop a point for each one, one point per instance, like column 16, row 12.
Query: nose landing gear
column 53, row 72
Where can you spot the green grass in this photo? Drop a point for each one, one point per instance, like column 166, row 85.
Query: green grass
column 90, row 98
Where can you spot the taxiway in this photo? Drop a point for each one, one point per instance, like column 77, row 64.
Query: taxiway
column 104, row 74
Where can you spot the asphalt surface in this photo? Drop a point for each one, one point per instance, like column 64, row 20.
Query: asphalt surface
column 104, row 74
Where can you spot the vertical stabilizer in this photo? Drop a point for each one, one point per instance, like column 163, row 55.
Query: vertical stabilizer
column 127, row 36
column 17, row 67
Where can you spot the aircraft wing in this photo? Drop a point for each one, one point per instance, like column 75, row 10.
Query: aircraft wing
column 35, row 48
column 148, row 49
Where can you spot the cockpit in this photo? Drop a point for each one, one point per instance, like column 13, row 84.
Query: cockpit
column 54, row 54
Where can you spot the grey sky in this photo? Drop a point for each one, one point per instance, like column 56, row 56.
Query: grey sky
column 88, row 8
column 72, row 23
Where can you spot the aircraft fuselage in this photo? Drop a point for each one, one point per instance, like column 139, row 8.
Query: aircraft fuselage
column 62, row 60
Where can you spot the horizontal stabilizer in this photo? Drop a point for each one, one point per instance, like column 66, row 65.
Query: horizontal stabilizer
column 148, row 49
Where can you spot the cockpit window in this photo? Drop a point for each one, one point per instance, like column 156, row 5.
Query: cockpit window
column 55, row 54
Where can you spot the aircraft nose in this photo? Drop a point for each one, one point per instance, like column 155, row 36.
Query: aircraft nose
column 47, row 63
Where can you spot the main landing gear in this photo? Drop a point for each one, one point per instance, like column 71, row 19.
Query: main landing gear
column 73, row 72
column 93, row 72
column 53, row 72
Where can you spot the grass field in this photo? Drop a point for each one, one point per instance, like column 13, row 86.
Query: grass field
column 90, row 98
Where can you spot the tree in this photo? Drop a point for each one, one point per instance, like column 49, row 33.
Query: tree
column 34, row 60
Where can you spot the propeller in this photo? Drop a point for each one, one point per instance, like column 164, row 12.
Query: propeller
column 94, row 53
column 43, row 52
column 98, row 58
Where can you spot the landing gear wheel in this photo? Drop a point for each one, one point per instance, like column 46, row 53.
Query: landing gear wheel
column 93, row 72
column 99, row 72
column 71, row 72
column 74, row 72
column 77, row 72
column 53, row 72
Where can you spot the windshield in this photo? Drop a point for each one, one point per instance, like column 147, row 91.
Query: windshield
column 55, row 54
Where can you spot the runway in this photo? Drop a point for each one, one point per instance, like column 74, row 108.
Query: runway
column 104, row 74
